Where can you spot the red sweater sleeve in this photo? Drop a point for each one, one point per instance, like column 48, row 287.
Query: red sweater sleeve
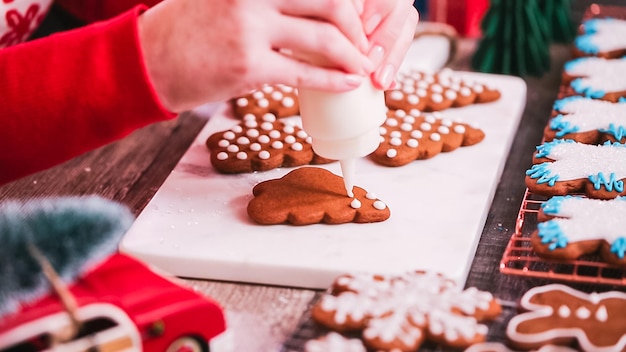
column 71, row 92
column 96, row 10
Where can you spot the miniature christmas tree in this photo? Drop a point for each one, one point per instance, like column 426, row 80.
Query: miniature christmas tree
column 515, row 39
column 558, row 16
column 66, row 235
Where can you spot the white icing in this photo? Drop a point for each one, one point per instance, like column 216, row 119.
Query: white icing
column 592, row 114
column 583, row 313
column 242, row 156
column 252, row 133
column 264, row 155
column 608, row 35
column 601, row 314
column 574, row 161
column 599, row 74
column 334, row 342
column 356, row 204
column 380, row 205
column 564, row 311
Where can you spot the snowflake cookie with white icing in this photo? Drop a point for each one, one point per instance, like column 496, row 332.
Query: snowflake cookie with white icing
column 603, row 37
column 406, row 137
column 400, row 312
column 596, row 77
column 334, row 342
column 572, row 226
column 311, row 195
column 260, row 144
column 423, row 91
column 279, row 100
column 564, row 166
column 558, row 314
column 586, row 120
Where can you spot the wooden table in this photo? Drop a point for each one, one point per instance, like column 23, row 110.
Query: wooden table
column 264, row 318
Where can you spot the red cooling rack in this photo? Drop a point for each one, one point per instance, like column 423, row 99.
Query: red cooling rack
column 520, row 259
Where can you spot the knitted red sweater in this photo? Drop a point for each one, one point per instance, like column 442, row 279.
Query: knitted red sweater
column 74, row 91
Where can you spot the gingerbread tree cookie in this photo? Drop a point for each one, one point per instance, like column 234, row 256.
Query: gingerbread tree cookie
column 572, row 226
column 603, row 37
column 558, row 314
column 279, row 100
column 406, row 137
column 563, row 167
column 311, row 195
column 586, row 120
column 400, row 312
column 260, row 144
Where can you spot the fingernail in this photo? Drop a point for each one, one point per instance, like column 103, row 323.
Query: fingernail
column 354, row 80
column 386, row 76
column 376, row 55
column 372, row 23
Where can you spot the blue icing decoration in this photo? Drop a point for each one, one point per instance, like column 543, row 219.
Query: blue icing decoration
column 616, row 131
column 560, row 104
column 612, row 183
column 553, row 205
column 621, row 100
column 542, row 173
column 587, row 91
column 585, row 44
column 619, row 247
column 562, row 127
column 550, row 232
column 545, row 149
column 573, row 63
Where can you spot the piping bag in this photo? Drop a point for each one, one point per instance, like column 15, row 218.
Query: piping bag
column 344, row 126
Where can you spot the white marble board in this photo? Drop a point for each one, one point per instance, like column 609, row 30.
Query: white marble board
column 196, row 225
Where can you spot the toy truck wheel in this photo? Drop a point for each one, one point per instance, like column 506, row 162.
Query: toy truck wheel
column 187, row 344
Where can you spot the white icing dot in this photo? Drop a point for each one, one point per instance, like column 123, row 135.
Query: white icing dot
column 267, row 89
column 288, row 129
column 436, row 88
column 602, row 314
column 406, row 127
column 446, row 122
column 252, row 133
column 276, row 95
column 302, row 134
column 465, row 91
column 277, row 145
column 274, row 134
column 413, row 99
column 243, row 140
column 288, row 102
column 297, row 146
column 430, row 118
column 399, row 113
column 269, row 117
column 308, row 140
column 267, row 126
column 443, row 130
column 422, row 93
column 459, row 129
column 263, row 103
column 392, row 153
column 242, row 156
column 370, row 195
column 417, row 134
column 395, row 141
column 478, row 88
column 222, row 156
column 382, row 130
column 290, row 139
column 437, row 98
column 251, row 124
column 223, row 143
column 356, row 204
column 264, row 139
column 395, row 134
column 409, row 119
column 450, row 94
column 255, row 147
column 242, row 102
column 232, row 148
column 229, row 135
column 264, row 154
column 412, row 143
column 237, row 129
column 379, row 205
column 435, row 137
column 396, row 95
column 425, row 126
column 564, row 311
column 391, row 122
column 583, row 313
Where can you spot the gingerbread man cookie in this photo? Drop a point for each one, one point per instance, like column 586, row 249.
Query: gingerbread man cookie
column 435, row 92
column 602, row 37
column 406, row 137
column 279, row 100
column 311, row 195
column 596, row 77
column 564, row 166
column 260, row 144
column 400, row 312
column 572, row 226
column 588, row 121
column 558, row 314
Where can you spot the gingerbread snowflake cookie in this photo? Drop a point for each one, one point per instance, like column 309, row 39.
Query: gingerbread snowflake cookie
column 586, row 120
column 572, row 226
column 311, row 195
column 558, row 314
column 563, row 167
column 602, row 37
column 435, row 92
column 596, row 77
column 406, row 137
column 279, row 100
column 400, row 312
column 260, row 144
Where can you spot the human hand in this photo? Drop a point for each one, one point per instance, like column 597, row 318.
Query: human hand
column 200, row 51
column 390, row 27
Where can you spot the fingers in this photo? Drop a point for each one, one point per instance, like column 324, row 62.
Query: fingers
column 390, row 25
column 345, row 15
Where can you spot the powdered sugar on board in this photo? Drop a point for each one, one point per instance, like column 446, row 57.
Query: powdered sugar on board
column 197, row 226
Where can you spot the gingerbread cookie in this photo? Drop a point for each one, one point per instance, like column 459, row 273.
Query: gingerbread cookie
column 334, row 342
column 563, row 167
column 602, row 37
column 406, row 137
column 587, row 121
column 572, row 226
column 596, row 77
column 311, row 195
column 435, row 92
column 400, row 312
column 558, row 314
column 279, row 100
column 260, row 144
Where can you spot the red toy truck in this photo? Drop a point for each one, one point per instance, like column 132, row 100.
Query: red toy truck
column 122, row 306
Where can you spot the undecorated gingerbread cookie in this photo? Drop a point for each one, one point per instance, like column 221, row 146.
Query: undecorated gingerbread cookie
column 400, row 312
column 558, row 314
column 406, row 137
column 572, row 226
column 596, row 77
column 279, row 100
column 260, row 144
column 311, row 195
column 602, row 37
column 564, row 166
column 587, row 120
column 435, row 92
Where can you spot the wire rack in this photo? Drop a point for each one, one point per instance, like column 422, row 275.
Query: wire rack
column 520, row 259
